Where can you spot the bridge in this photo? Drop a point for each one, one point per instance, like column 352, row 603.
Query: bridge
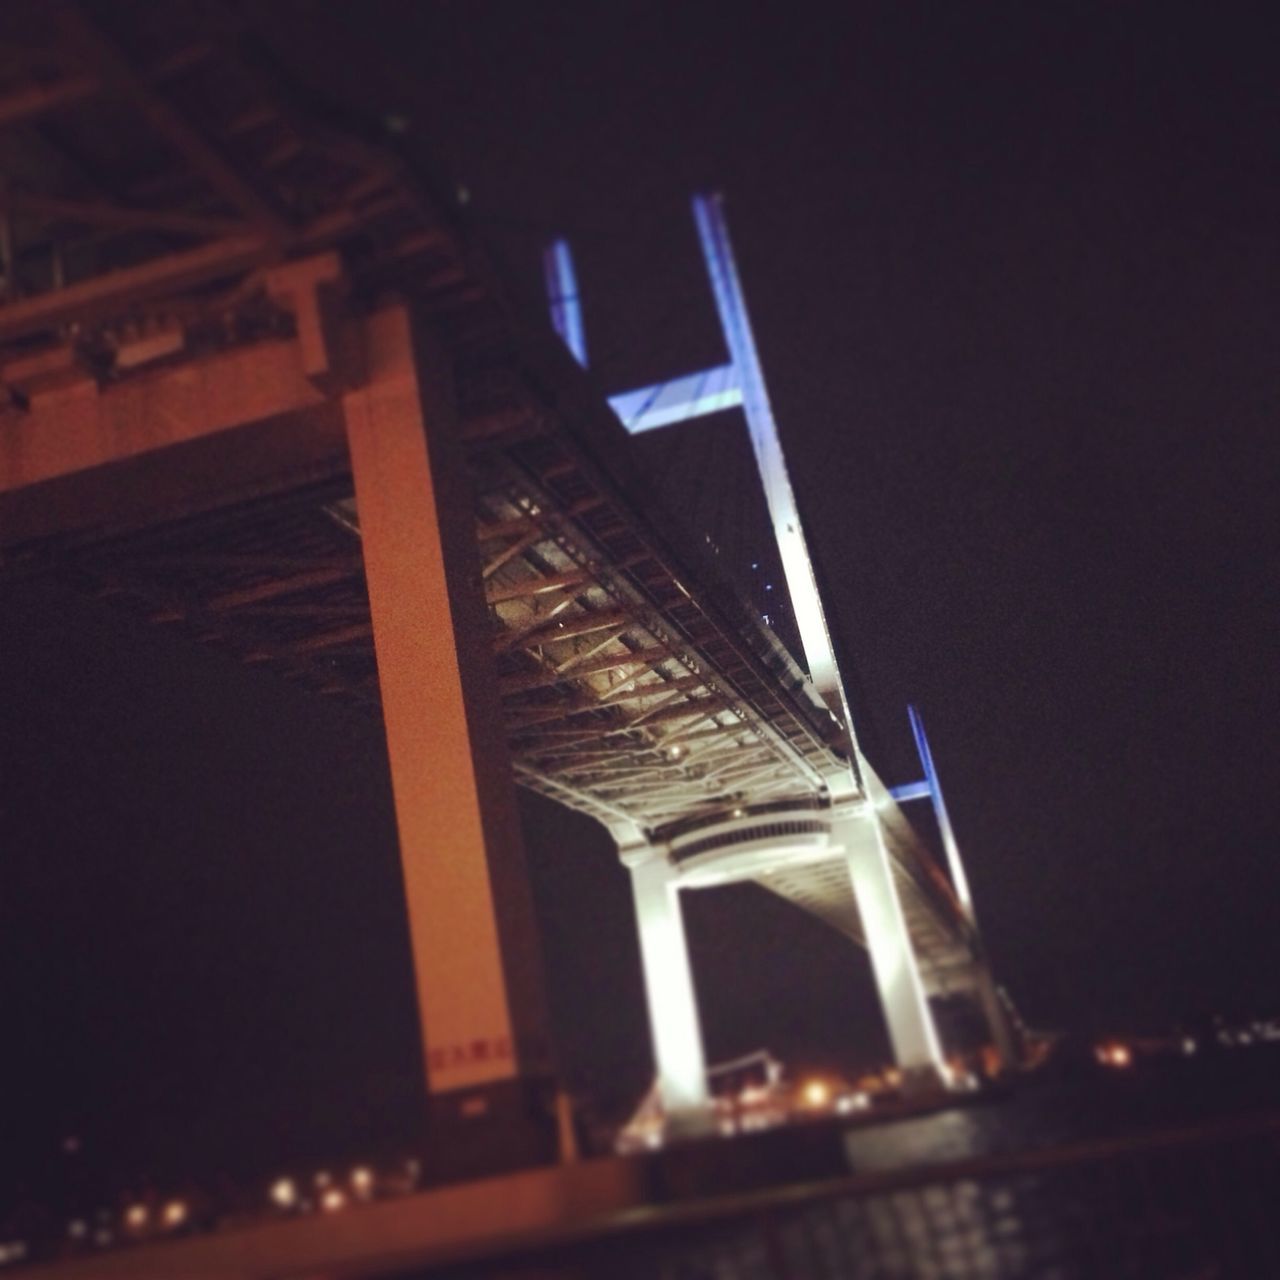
column 261, row 387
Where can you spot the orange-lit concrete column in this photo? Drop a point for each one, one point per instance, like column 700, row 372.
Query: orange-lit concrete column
column 475, row 948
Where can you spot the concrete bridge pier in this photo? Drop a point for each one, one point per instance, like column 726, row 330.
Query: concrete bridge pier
column 679, row 1059
column 471, row 921
column 912, row 1033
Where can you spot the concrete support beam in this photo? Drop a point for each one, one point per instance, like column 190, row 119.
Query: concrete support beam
column 475, row 949
column 159, row 277
column 893, row 962
column 87, row 428
column 668, row 983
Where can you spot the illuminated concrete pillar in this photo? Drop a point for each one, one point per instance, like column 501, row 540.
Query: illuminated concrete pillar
column 912, row 1033
column 668, row 984
column 475, row 950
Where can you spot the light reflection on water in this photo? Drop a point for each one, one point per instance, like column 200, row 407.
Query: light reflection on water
column 1180, row 1187
column 936, row 1233
column 964, row 1228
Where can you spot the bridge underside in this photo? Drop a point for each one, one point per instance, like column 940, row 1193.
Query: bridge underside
column 625, row 697
column 175, row 349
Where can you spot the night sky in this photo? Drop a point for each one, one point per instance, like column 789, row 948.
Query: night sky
column 1013, row 274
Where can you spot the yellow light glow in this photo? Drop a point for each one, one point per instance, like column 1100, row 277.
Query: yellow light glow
column 175, row 1213
column 855, row 1101
column 816, row 1093
column 362, row 1179
column 332, row 1200
column 135, row 1216
column 284, row 1193
column 1114, row 1055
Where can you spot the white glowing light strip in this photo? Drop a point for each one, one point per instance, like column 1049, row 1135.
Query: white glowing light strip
column 562, row 293
column 802, row 586
column 693, row 396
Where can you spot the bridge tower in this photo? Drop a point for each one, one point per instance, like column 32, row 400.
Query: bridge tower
column 855, row 796
column 472, row 929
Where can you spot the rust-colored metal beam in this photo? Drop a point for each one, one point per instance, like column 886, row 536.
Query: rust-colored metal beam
column 536, row 586
column 152, row 412
column 547, row 519
column 699, row 707
column 507, row 554
column 218, row 561
column 513, row 528
column 637, row 693
column 331, row 639
column 693, row 706
column 552, row 607
column 317, row 611
column 641, row 658
column 284, row 586
column 37, row 99
column 99, row 213
column 115, row 69
column 168, row 274
column 579, row 625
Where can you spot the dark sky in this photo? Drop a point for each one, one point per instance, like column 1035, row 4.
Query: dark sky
column 1013, row 273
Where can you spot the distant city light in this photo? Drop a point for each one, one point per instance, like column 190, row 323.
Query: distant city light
column 362, row 1180
column 135, row 1216
column 816, row 1094
column 856, row 1101
column 175, row 1213
column 333, row 1200
column 284, row 1193
column 1114, row 1055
